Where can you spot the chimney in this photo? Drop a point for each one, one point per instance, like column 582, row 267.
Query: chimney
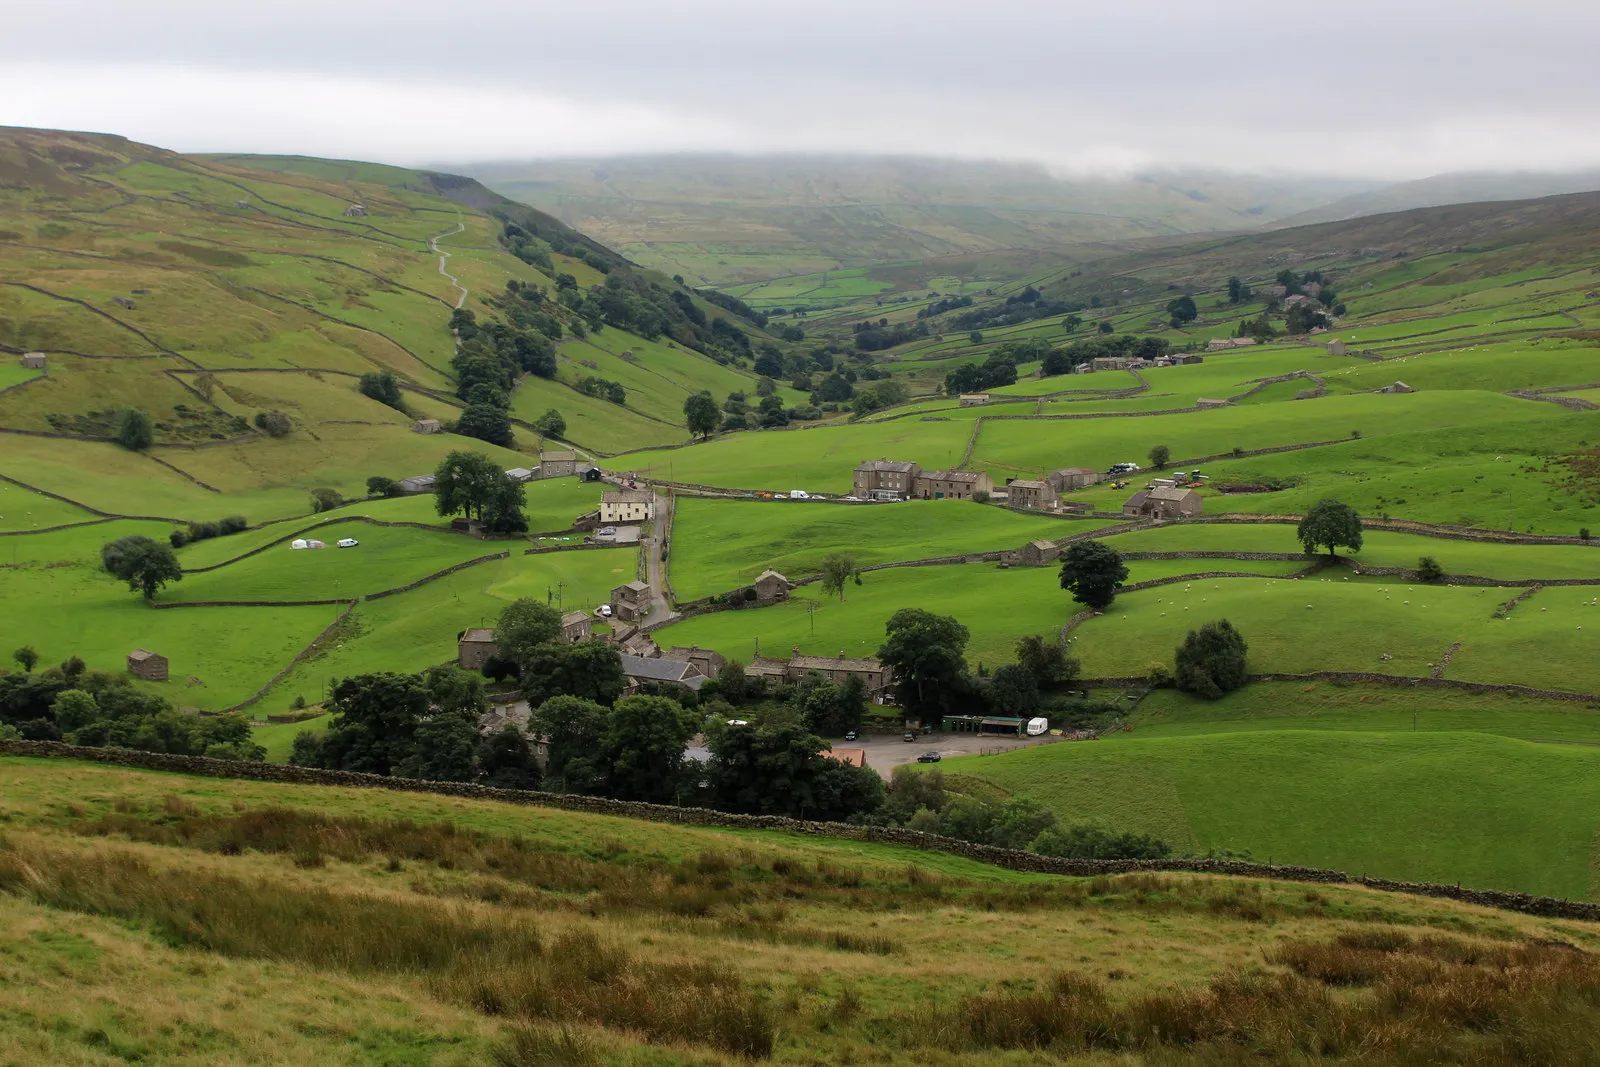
column 795, row 650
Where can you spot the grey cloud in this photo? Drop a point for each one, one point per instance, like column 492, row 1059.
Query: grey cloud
column 1402, row 88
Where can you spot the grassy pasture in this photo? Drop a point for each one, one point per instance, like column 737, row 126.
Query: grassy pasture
column 24, row 509
column 1514, row 815
column 418, row 629
column 591, row 421
column 1380, row 548
column 719, row 544
column 997, row 606
column 385, row 558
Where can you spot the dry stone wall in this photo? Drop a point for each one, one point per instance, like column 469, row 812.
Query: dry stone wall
column 892, row 835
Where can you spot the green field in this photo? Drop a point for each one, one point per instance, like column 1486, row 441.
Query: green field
column 719, row 544
column 1435, row 806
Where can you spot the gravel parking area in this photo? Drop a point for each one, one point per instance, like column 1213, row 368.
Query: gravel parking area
column 886, row 752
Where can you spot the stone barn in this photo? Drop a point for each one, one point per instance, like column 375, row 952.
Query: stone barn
column 426, row 426
column 1038, row 553
column 355, row 211
column 33, row 360
column 772, row 586
column 151, row 666
column 577, row 626
column 475, row 647
column 631, row 601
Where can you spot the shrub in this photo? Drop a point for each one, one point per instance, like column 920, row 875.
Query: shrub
column 273, row 423
column 324, row 499
column 980, row 496
column 1428, row 570
column 1583, row 533
column 1211, row 660
column 134, row 430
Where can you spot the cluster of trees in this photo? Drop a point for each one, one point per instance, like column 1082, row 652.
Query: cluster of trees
column 533, row 239
column 1062, row 360
column 147, row 566
column 473, row 485
column 383, row 387
column 997, row 370
column 932, row 678
column 274, row 423
column 487, row 363
column 923, row 801
column 939, row 307
column 735, row 305
column 592, row 385
column 101, row 709
column 204, row 531
column 1238, row 292
column 879, row 396
column 877, row 336
column 1182, row 310
column 1021, row 307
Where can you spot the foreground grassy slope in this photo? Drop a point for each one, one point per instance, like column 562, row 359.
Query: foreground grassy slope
column 142, row 933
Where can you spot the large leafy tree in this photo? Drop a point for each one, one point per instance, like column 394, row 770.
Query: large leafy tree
column 1092, row 572
column 383, row 387
column 927, row 653
column 1014, row 691
column 838, row 569
column 1331, row 523
column 134, row 430
column 524, row 625
column 374, row 722
column 1211, row 660
column 571, row 727
column 701, row 414
column 464, row 483
column 506, row 762
column 486, row 422
column 588, row 669
column 147, row 567
column 502, row 513
column 832, row 709
column 643, row 749
column 1047, row 661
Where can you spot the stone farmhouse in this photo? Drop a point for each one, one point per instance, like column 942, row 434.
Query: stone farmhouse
column 151, row 666
column 877, row 677
column 642, row 671
column 1222, row 344
column 707, row 662
column 1068, row 478
column 1164, row 502
column 557, row 464
column 1033, row 495
column 885, row 479
column 951, row 485
column 475, row 647
column 627, row 506
column 631, row 601
column 577, row 626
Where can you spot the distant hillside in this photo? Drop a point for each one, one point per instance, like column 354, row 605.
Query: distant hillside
column 1441, row 189
column 731, row 219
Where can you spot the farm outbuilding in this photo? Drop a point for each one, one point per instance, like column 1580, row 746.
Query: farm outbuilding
column 974, row 400
column 33, row 360
column 355, row 211
column 587, row 473
column 770, row 586
column 1072, row 478
column 577, row 626
column 426, row 426
column 151, row 666
column 421, row 483
column 1038, row 553
column 475, row 647
column 631, row 601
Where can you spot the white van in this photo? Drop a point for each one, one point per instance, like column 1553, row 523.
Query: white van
column 799, row 494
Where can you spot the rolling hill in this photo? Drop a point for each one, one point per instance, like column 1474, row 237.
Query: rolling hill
column 1466, row 187
column 729, row 219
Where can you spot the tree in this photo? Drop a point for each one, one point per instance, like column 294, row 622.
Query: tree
column 375, row 718
column 571, row 727
column 1182, row 310
column 502, row 512
column 148, row 567
column 1106, row 327
column 1047, row 661
column 1072, row 322
column 273, row 423
column 506, row 762
column 1235, row 290
column 523, row 625
column 551, row 424
column 1014, row 691
column 1092, row 572
column 838, row 568
column 1429, row 570
column 1211, row 660
column 588, row 669
column 833, row 710
column 74, row 709
column 927, row 654
column 643, row 749
column 378, row 485
column 383, row 387
column 1330, row 523
column 765, row 769
column 325, row 499
column 444, row 748
column 111, row 552
column 134, row 431
column 700, row 414
column 464, row 482
column 26, row 657
column 486, row 422
column 1159, row 456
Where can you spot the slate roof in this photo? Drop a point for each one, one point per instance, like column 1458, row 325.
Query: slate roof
column 662, row 670
column 477, row 635
column 894, row 465
column 833, row 663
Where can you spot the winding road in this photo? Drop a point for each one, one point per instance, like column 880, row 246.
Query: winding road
column 444, row 258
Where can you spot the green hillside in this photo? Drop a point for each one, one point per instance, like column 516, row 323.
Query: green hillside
column 724, row 220
column 184, row 920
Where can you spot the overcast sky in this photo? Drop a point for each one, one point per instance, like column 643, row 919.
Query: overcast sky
column 1382, row 88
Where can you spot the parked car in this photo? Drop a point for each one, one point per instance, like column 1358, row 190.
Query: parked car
column 348, row 542
column 908, row 737
column 929, row 757
column 605, row 611
column 849, row 735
